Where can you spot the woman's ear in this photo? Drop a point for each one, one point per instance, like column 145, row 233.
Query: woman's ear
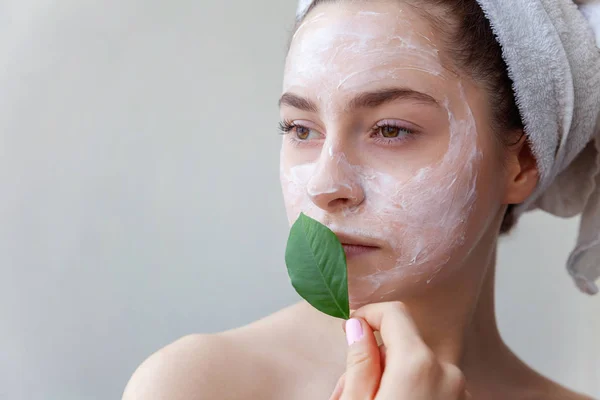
column 522, row 174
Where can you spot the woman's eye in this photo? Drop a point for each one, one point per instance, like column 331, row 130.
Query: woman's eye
column 300, row 133
column 303, row 133
column 390, row 131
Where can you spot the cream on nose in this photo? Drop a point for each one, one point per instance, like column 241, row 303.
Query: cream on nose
column 335, row 184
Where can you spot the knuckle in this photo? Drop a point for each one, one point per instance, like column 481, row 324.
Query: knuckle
column 456, row 380
column 460, row 385
column 358, row 359
column 425, row 357
column 422, row 365
column 399, row 307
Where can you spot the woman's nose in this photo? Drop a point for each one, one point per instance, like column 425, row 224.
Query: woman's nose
column 335, row 185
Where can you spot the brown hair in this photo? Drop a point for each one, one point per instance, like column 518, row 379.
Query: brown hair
column 472, row 45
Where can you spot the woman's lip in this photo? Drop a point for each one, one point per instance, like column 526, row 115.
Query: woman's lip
column 353, row 250
column 354, row 241
column 354, row 245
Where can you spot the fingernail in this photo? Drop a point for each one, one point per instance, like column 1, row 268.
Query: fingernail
column 354, row 331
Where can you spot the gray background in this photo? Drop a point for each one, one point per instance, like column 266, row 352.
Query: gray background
column 140, row 199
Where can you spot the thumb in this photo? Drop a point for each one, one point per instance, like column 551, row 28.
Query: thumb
column 363, row 365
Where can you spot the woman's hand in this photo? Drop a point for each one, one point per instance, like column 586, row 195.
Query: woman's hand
column 405, row 369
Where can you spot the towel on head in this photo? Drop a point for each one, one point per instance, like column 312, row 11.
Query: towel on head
column 553, row 60
column 552, row 51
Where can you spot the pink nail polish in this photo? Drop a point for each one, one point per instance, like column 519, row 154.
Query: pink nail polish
column 354, row 331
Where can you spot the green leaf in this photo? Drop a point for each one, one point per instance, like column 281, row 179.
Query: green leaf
column 316, row 264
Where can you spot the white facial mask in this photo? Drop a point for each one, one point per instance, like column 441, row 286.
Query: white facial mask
column 423, row 216
column 355, row 51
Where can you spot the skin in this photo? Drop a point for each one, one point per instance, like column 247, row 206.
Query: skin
column 423, row 201
column 419, row 196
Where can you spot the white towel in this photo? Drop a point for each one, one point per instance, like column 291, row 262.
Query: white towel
column 552, row 50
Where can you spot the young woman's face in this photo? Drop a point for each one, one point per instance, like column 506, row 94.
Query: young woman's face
column 387, row 146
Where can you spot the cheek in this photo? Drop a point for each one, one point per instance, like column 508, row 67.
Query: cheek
column 294, row 178
column 431, row 222
column 490, row 190
column 426, row 217
column 293, row 184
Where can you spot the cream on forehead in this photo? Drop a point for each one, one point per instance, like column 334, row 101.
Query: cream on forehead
column 350, row 50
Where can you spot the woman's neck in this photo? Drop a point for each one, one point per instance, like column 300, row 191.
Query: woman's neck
column 458, row 314
column 465, row 331
column 457, row 320
column 491, row 368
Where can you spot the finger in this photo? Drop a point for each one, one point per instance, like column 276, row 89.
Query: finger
column 396, row 326
column 382, row 356
column 454, row 384
column 465, row 396
column 363, row 366
column 382, row 349
column 407, row 356
column 339, row 388
column 376, row 333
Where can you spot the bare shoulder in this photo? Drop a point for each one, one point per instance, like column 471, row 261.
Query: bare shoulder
column 554, row 391
column 193, row 367
column 563, row 394
column 577, row 396
column 560, row 392
column 259, row 360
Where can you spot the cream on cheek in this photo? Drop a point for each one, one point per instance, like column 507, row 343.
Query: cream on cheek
column 425, row 218
column 422, row 217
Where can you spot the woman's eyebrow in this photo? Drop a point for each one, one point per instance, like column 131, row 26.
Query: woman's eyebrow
column 362, row 100
column 383, row 96
column 299, row 102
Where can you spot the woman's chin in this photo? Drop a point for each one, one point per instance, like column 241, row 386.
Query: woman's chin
column 362, row 294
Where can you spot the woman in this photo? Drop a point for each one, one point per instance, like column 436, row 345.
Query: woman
column 402, row 134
